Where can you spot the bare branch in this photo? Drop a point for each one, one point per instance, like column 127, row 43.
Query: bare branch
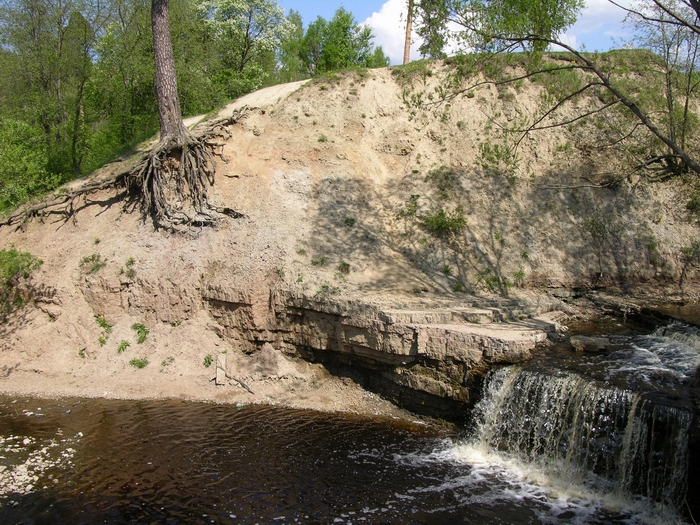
column 677, row 20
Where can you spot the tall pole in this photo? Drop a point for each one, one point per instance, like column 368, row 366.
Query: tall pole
column 409, row 28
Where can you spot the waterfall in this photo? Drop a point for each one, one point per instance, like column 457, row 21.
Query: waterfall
column 608, row 439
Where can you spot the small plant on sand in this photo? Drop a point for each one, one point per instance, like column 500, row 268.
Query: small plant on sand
column 344, row 267
column 102, row 323
column 328, row 289
column 130, row 272
column 441, row 222
column 123, row 345
column 94, row 262
column 349, row 222
column 208, row 360
column 106, row 327
column 320, row 261
column 139, row 363
column 141, row 332
column 165, row 363
column 323, row 138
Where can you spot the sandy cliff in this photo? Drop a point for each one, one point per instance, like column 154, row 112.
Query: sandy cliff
column 337, row 261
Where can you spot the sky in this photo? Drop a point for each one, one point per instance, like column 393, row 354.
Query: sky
column 599, row 27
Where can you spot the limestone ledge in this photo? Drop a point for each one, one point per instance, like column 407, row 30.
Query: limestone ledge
column 353, row 327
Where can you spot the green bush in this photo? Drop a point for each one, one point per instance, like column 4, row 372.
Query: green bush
column 94, row 262
column 23, row 173
column 444, row 179
column 141, row 332
column 15, row 267
column 139, row 363
column 441, row 222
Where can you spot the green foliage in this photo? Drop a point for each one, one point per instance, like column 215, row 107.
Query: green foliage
column 245, row 35
column 322, row 138
column 102, row 323
column 493, row 282
column 339, row 43
column 690, row 256
column 23, row 164
column 498, row 158
column 15, row 268
column 528, row 20
column 411, row 208
column 139, row 363
column 349, row 222
column 123, row 345
column 344, row 267
column 106, row 329
column 328, row 289
column 441, row 222
column 319, row 261
column 141, row 332
column 559, row 83
column 93, row 262
column 406, row 75
column 130, row 272
column 444, row 179
column 693, row 205
column 208, row 360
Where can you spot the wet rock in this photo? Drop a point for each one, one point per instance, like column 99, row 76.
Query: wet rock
column 582, row 343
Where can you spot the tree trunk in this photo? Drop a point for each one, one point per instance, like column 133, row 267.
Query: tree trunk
column 409, row 28
column 172, row 129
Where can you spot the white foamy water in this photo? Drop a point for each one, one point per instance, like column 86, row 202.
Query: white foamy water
column 493, row 479
column 25, row 461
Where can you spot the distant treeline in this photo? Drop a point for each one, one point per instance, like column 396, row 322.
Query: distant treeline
column 77, row 80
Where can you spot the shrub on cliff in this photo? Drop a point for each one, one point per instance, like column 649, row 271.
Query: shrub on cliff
column 15, row 269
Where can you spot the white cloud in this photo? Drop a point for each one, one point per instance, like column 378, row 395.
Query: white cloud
column 389, row 28
column 599, row 21
column 569, row 40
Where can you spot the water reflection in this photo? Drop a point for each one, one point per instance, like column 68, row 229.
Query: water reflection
column 174, row 462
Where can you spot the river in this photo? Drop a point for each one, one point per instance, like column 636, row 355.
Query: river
column 568, row 438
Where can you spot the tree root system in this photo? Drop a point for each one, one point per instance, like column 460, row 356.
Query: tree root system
column 169, row 183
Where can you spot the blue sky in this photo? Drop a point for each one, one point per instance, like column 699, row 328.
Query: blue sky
column 599, row 27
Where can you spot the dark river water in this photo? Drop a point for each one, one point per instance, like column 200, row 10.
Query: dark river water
column 96, row 461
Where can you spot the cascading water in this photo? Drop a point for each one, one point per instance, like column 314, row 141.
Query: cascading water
column 607, row 439
column 589, row 439
column 615, row 423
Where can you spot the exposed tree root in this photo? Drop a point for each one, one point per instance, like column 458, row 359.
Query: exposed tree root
column 169, row 183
